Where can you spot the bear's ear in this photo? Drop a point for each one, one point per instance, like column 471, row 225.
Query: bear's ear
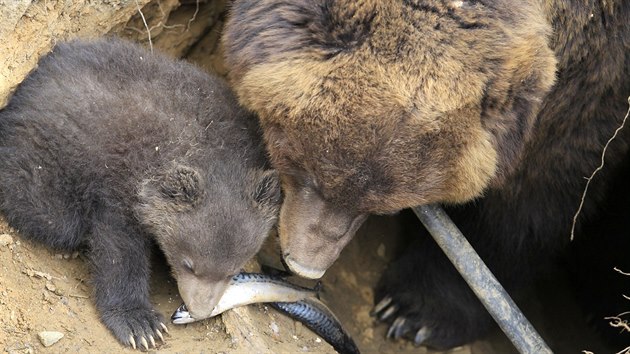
column 181, row 185
column 267, row 189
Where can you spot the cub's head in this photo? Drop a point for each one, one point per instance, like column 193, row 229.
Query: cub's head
column 376, row 105
column 208, row 226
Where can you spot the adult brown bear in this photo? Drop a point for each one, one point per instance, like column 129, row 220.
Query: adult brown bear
column 497, row 108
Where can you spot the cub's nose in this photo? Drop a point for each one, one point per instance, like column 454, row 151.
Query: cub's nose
column 200, row 296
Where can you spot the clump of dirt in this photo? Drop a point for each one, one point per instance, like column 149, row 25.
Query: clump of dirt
column 30, row 29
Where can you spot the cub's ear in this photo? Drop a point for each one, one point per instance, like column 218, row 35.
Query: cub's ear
column 181, row 185
column 266, row 189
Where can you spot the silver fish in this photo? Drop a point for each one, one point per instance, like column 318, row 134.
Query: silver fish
column 315, row 315
column 250, row 288
column 297, row 302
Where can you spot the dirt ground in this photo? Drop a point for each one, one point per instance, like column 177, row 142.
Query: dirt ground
column 44, row 291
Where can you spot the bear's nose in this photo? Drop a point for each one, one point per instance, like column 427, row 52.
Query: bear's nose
column 201, row 296
column 301, row 270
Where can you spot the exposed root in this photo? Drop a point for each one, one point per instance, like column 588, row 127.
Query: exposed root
column 162, row 22
column 601, row 165
column 194, row 16
column 146, row 25
column 620, row 271
column 618, row 322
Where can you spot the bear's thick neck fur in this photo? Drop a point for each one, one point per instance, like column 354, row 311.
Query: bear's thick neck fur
column 456, row 78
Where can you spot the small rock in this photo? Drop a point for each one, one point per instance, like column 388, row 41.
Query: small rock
column 298, row 328
column 51, row 287
column 49, row 338
column 274, row 328
column 5, row 240
column 380, row 251
column 72, row 255
column 20, row 349
column 275, row 331
column 37, row 274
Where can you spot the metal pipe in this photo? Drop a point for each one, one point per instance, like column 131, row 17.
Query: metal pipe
column 483, row 283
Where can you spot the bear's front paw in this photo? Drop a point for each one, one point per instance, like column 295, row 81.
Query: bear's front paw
column 441, row 314
column 138, row 328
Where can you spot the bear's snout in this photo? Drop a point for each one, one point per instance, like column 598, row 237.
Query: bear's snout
column 201, row 296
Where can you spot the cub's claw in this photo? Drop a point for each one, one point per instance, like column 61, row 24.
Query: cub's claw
column 135, row 327
column 164, row 328
column 145, row 345
column 152, row 341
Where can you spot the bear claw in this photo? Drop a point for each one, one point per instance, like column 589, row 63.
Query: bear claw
column 381, row 305
column 388, row 312
column 164, row 328
column 384, row 309
column 145, row 345
column 421, row 336
column 398, row 328
column 136, row 328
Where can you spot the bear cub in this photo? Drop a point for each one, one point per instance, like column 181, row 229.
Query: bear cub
column 111, row 148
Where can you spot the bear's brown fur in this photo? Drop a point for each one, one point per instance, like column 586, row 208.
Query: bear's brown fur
column 375, row 106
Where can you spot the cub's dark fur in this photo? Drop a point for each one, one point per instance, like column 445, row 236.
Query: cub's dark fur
column 108, row 146
column 501, row 107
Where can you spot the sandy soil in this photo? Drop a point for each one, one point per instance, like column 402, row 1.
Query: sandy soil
column 44, row 291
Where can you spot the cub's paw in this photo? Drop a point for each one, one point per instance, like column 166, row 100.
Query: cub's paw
column 138, row 328
column 438, row 314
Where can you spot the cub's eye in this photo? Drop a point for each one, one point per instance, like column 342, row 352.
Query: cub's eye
column 188, row 265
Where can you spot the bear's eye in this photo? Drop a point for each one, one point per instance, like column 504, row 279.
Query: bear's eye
column 188, row 265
